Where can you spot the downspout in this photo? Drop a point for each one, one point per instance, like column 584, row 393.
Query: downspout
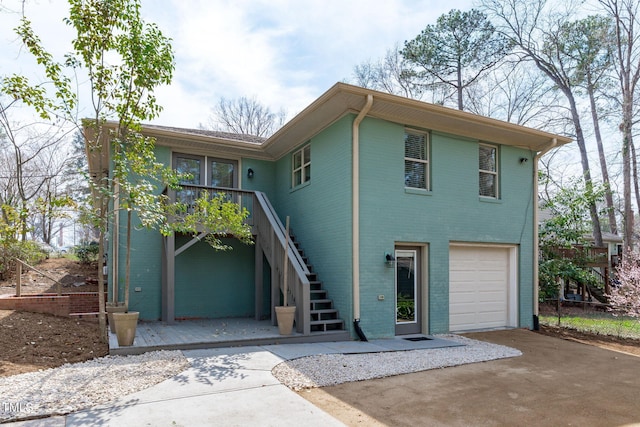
column 355, row 210
column 536, row 255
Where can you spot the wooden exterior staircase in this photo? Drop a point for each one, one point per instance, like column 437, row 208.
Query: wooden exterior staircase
column 324, row 317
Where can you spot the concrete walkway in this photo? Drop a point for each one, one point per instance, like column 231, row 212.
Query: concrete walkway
column 228, row 387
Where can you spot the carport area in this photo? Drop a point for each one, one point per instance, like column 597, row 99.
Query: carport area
column 555, row 382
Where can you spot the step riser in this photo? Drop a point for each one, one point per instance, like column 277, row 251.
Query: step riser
column 323, row 316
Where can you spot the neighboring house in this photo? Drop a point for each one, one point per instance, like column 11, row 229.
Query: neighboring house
column 613, row 243
column 416, row 218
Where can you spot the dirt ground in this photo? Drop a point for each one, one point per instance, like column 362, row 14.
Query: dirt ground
column 34, row 341
column 555, row 382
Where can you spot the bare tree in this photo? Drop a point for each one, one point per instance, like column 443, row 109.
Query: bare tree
column 391, row 74
column 246, row 116
column 517, row 93
column 52, row 203
column 30, row 149
column 535, row 31
column 590, row 41
column 624, row 14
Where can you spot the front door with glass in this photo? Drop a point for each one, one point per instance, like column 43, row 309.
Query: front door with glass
column 408, row 291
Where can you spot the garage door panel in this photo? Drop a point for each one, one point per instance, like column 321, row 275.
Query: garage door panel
column 491, row 298
column 464, row 319
column 463, row 308
column 464, row 276
column 489, row 275
column 478, row 287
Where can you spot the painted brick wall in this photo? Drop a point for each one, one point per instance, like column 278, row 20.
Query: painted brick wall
column 321, row 211
column 451, row 212
column 211, row 284
column 263, row 178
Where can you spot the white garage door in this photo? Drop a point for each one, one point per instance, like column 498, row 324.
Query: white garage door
column 481, row 287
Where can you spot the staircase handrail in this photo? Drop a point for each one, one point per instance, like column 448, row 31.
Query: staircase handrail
column 19, row 265
column 298, row 282
column 280, row 232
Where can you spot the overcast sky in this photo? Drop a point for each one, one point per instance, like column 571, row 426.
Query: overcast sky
column 286, row 53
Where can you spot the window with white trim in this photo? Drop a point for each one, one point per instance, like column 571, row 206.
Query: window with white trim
column 301, row 166
column 416, row 160
column 488, row 165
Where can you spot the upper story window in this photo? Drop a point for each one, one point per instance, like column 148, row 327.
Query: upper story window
column 488, row 165
column 193, row 166
column 301, row 166
column 207, row 171
column 416, row 160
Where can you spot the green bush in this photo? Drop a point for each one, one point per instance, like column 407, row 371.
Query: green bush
column 87, row 253
column 28, row 252
column 551, row 269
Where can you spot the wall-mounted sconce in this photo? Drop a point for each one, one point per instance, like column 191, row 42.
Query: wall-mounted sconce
column 389, row 260
column 250, row 173
column 523, row 160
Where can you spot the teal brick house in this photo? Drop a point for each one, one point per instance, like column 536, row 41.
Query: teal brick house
column 407, row 217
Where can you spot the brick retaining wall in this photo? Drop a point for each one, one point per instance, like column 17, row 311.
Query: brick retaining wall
column 65, row 305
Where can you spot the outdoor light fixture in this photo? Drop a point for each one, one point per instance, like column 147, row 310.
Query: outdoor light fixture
column 389, row 260
column 250, row 173
column 523, row 160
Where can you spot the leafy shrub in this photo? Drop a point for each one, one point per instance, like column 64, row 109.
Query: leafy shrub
column 32, row 253
column 87, row 253
column 552, row 269
column 28, row 252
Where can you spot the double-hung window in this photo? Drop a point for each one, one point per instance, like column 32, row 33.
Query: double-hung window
column 416, row 160
column 301, row 166
column 488, row 165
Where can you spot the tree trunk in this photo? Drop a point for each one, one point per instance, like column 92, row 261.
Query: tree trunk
column 127, row 276
column 634, row 172
column 459, row 88
column 102, row 319
column 613, row 224
column 626, row 175
column 593, row 211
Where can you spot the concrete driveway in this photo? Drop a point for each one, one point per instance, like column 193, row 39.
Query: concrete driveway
column 555, row 383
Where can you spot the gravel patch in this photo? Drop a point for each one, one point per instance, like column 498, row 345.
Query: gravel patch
column 332, row 369
column 77, row 386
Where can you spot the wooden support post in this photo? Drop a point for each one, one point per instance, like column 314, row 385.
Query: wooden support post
column 18, row 278
column 168, row 279
column 259, row 283
column 275, row 291
column 171, row 279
